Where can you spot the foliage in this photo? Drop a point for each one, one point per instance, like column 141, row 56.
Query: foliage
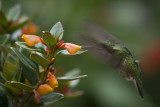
column 27, row 72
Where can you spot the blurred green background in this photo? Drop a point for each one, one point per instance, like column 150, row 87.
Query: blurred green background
column 134, row 22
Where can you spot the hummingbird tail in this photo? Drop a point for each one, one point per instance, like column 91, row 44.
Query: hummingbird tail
column 138, row 88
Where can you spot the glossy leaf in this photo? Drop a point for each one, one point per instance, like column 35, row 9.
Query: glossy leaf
column 73, row 72
column 4, row 76
column 14, row 12
column 19, row 85
column 9, row 70
column 3, row 19
column 39, row 60
column 66, row 53
column 57, row 30
column 13, row 89
column 4, row 50
column 48, row 100
column 11, row 58
column 18, row 76
column 70, row 78
column 7, row 90
column 26, row 61
column 24, row 45
column 2, row 60
column 3, row 39
column 49, row 39
column 28, row 73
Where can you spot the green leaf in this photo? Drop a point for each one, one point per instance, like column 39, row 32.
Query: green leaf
column 4, row 39
column 9, row 70
column 26, row 61
column 70, row 78
column 11, row 58
column 51, row 98
column 48, row 100
column 4, row 76
column 13, row 89
column 24, row 45
column 73, row 72
column 19, row 85
column 7, row 91
column 4, row 50
column 49, row 39
column 2, row 59
column 57, row 30
column 14, row 12
column 28, row 73
column 40, row 60
column 3, row 19
column 66, row 53
column 18, row 76
column 15, row 27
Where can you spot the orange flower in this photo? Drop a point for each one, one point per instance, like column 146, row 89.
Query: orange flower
column 53, row 81
column 30, row 29
column 71, row 48
column 44, row 89
column 31, row 40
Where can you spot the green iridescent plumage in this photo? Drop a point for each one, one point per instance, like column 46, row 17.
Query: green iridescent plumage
column 108, row 49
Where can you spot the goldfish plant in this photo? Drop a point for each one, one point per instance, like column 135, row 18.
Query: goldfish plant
column 28, row 75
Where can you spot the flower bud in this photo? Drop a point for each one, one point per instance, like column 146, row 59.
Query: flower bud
column 44, row 89
column 53, row 81
column 31, row 40
column 72, row 48
column 37, row 97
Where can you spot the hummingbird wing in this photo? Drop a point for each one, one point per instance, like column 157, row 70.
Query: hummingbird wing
column 96, row 38
column 99, row 34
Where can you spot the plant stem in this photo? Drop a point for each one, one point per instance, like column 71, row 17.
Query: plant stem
column 25, row 100
column 41, row 81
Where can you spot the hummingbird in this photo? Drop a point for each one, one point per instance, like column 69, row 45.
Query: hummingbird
column 112, row 52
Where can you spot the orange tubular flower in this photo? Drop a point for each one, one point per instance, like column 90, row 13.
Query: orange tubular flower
column 44, row 89
column 53, row 81
column 30, row 29
column 31, row 40
column 71, row 48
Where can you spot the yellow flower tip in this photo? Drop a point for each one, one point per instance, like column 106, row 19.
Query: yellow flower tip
column 44, row 89
column 31, row 40
column 72, row 48
column 53, row 81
